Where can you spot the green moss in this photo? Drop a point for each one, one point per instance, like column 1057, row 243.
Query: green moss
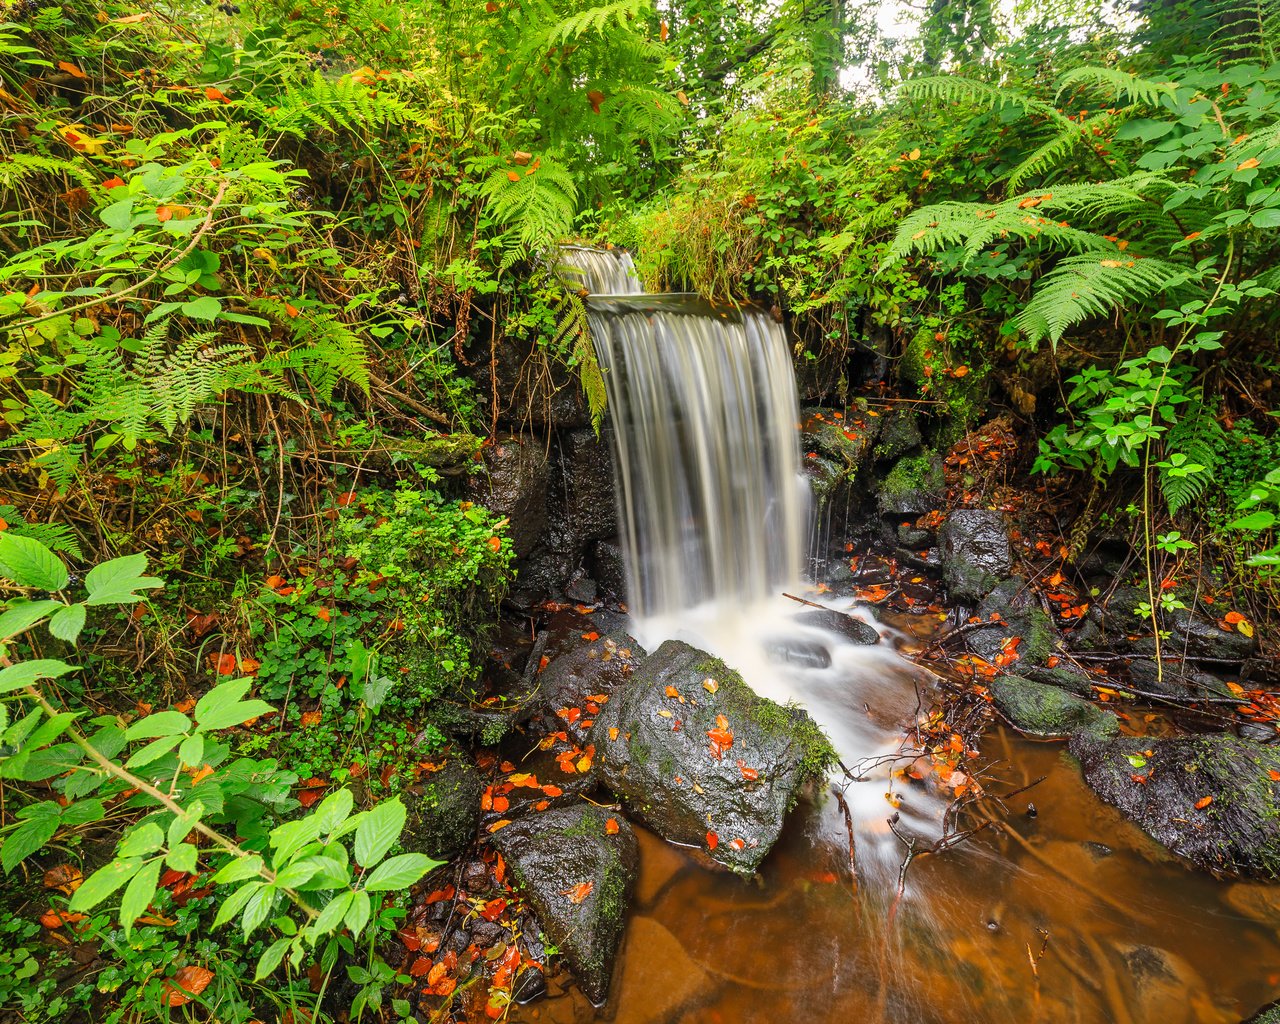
column 913, row 473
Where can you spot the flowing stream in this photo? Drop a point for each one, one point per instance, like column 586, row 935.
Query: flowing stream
column 1070, row 916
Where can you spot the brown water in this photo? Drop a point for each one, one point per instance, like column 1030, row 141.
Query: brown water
column 1119, row 931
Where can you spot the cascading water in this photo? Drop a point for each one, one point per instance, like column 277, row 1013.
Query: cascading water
column 715, row 518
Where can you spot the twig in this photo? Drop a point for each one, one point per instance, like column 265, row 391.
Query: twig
column 848, row 824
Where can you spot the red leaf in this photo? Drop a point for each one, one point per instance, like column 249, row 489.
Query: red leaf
column 611, row 827
column 187, row 982
column 215, row 95
column 579, row 892
column 713, row 840
column 1203, row 802
column 72, row 70
column 420, row 967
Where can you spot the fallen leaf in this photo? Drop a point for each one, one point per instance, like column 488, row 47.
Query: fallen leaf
column 502, row 823
column 187, row 982
column 65, row 878
column 713, row 840
column 71, row 69
column 611, row 827
column 579, row 892
column 215, row 95
column 310, row 718
column 1203, row 802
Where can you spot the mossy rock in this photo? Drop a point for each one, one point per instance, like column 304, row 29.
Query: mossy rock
column 899, row 434
column 912, row 487
column 976, row 555
column 661, row 755
column 1046, row 711
column 444, row 808
column 578, row 872
column 1162, row 785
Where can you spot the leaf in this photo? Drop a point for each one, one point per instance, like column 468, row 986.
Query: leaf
column 579, row 892
column 187, row 982
column 25, row 673
column 71, row 69
column 611, row 827
column 103, row 882
column 271, row 958
column 114, row 582
column 65, row 878
column 29, row 563
column 139, row 893
column 22, row 615
column 25, row 840
column 499, row 824
column 713, row 840
column 399, row 872
column 1203, row 802
column 378, row 831
column 204, row 308
column 67, row 623
column 1260, row 520
column 215, row 95
column 222, row 708
column 162, row 723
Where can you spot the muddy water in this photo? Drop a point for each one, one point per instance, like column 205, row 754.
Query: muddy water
column 1120, row 933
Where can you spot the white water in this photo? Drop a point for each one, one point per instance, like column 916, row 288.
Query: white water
column 714, row 514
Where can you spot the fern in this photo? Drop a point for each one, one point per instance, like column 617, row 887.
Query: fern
column 954, row 89
column 349, row 103
column 54, row 536
column 1115, row 85
column 1247, row 30
column 597, row 19
column 536, row 206
column 1090, row 285
column 19, row 166
column 1195, row 437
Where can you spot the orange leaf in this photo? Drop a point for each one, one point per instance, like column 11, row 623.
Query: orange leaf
column 503, row 823
column 495, row 544
column 579, row 892
column 501, row 804
column 74, row 71
column 551, row 790
column 611, row 827
column 1247, row 165
column 290, row 310
column 324, row 613
column 1203, row 802
column 420, row 967
column 57, row 918
column 225, row 664
column 524, row 779
column 1233, row 617
column 113, row 183
column 1274, row 775
column 65, row 877
column 750, row 774
column 215, row 95
column 187, row 982
column 713, row 840
column 310, row 718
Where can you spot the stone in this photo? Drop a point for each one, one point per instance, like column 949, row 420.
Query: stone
column 1046, row 711
column 975, row 552
column 1158, row 783
column 608, row 567
column 584, row 668
column 851, row 628
column 801, row 651
column 912, row 488
column 715, row 766
column 578, row 876
column 514, row 487
column 444, row 808
column 899, row 434
column 589, row 501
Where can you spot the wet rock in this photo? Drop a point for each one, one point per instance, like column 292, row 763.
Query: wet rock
column 1267, row 1015
column 578, row 878
column 853, row 629
column 589, row 500
column 1066, row 677
column 1257, row 732
column 1175, row 681
column 545, row 783
column 1046, row 711
column 586, row 668
column 975, row 552
column 899, row 434
column 929, row 560
column 1195, row 636
column 1037, row 638
column 515, row 487
column 803, row 652
column 581, row 589
column 845, row 441
column 501, row 701
column 912, row 488
column 715, row 766
column 444, row 808
column 1236, row 833
column 1162, row 986
column 608, row 567
column 913, row 537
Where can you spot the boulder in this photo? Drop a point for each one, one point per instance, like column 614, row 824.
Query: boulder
column 1039, row 710
column 577, row 867
column 899, row 434
column 853, row 629
column 585, row 669
column 975, row 552
column 589, row 502
column 912, row 488
column 702, row 759
column 608, row 567
column 1162, row 785
column 515, row 486
column 444, row 808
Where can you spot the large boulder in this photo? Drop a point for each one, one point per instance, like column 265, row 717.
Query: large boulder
column 514, row 485
column 444, row 807
column 1039, row 710
column 913, row 487
column 899, row 434
column 702, row 759
column 975, row 552
column 1213, row 799
column 577, row 867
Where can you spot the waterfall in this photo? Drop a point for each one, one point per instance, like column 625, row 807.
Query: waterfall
column 705, row 417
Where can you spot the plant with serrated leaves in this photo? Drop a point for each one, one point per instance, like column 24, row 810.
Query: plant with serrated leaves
column 168, row 770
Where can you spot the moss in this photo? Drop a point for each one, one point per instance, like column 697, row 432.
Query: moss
column 912, row 473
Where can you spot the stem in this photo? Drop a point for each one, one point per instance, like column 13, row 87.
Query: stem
column 166, row 801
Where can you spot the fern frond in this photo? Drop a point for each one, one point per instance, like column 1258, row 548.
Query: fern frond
column 19, row 166
column 1091, row 285
column 597, row 19
column 1056, row 150
column 954, row 89
column 536, row 209
column 1196, row 437
column 1115, row 85
column 54, row 536
column 329, row 106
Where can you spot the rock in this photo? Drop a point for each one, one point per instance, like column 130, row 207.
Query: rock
column 500, row 702
column 507, row 800
column 1038, row 639
column 975, row 552
column 1236, row 833
column 660, row 754
column 899, row 434
column 586, row 668
column 1161, row 986
column 914, row 537
column 1177, row 680
column 1065, row 677
column 608, row 567
column 1256, row 901
column 912, row 488
column 589, row 501
column 846, row 441
column 515, row 487
column 1040, row 710
column 578, row 878
column 1195, row 636
column 801, row 651
column 1269, row 1014
column 444, row 809
column 853, row 629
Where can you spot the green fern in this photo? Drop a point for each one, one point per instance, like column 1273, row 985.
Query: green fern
column 19, row 166
column 346, row 104
column 1116, row 85
column 536, row 207
column 597, row 19
column 1247, row 30
column 1196, row 438
column 954, row 89
column 1094, row 284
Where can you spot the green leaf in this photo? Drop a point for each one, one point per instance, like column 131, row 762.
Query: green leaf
column 22, row 615
column 222, row 708
column 378, row 831
column 118, row 215
column 30, row 564
column 162, row 723
column 360, row 912
column 153, row 751
column 1269, row 218
column 103, row 882
column 257, row 909
column 146, row 839
column 25, row 840
column 183, row 857
column 331, row 916
column 233, row 904
column 299, row 872
column 399, row 872
column 333, row 811
column 191, row 753
column 239, row 869
column 204, row 308
column 183, row 823
column 137, row 897
column 23, row 674
column 1260, row 520
column 114, row 582
column 67, row 624
column 270, row 960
